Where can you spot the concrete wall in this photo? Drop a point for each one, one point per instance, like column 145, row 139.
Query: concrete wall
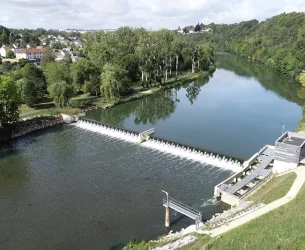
column 69, row 118
column 230, row 199
column 287, row 153
column 281, row 167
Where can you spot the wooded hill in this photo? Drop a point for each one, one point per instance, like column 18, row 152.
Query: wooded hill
column 278, row 42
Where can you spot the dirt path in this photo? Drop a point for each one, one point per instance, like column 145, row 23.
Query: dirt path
column 31, row 112
column 292, row 193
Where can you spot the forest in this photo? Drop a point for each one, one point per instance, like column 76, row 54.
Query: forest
column 278, row 42
column 114, row 65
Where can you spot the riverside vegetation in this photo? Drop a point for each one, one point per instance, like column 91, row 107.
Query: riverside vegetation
column 115, row 66
column 278, row 42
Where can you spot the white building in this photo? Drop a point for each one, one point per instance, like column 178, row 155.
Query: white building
column 30, row 54
column 206, row 30
column 4, row 49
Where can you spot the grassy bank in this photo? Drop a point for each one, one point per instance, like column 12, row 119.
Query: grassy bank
column 81, row 102
column 274, row 189
column 279, row 229
column 301, row 125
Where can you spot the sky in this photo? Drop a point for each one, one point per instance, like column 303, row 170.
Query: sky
column 150, row 14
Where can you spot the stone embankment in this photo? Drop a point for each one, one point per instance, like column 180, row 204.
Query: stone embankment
column 28, row 126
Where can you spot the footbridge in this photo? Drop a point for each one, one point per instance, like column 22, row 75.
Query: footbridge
column 181, row 208
column 144, row 136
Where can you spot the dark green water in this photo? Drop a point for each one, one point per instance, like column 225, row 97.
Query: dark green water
column 241, row 108
column 69, row 188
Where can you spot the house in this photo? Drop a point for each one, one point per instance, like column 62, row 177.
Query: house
column 192, row 31
column 60, row 55
column 4, row 49
column 30, row 54
column 206, row 30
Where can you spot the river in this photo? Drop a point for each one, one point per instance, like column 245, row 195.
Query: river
column 70, row 188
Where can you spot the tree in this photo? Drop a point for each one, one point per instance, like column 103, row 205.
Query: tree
column 22, row 62
column 197, row 28
column 177, row 50
column 33, row 84
column 9, row 101
column 302, row 79
column 114, row 81
column 47, row 58
column 9, row 54
column 92, row 86
column 81, row 71
column 61, row 92
column 57, row 72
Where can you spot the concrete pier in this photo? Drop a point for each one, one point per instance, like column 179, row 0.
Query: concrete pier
column 167, row 217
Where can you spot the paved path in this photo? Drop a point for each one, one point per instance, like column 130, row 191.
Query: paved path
column 292, row 193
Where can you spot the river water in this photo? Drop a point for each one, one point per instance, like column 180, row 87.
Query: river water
column 69, row 188
column 241, row 108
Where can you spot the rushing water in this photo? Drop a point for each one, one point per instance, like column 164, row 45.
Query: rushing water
column 73, row 187
column 241, row 108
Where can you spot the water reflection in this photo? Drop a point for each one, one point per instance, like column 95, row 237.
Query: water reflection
column 194, row 88
column 145, row 111
column 286, row 88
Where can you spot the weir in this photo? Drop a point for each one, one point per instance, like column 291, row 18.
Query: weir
column 162, row 145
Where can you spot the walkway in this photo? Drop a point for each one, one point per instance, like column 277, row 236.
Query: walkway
column 292, row 193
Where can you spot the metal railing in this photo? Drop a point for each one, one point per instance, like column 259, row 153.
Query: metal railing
column 184, row 209
column 147, row 132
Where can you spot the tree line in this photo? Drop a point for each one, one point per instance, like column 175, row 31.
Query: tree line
column 278, row 42
column 112, row 64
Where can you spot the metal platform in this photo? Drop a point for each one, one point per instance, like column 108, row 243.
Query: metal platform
column 184, row 209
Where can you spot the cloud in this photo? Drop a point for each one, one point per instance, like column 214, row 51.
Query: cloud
column 152, row 14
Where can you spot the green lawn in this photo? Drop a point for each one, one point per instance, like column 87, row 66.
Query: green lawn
column 275, row 188
column 301, row 126
column 283, row 228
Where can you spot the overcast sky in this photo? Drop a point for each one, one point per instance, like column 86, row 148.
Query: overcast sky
column 151, row 14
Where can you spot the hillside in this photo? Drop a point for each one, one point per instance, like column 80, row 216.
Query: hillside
column 278, row 42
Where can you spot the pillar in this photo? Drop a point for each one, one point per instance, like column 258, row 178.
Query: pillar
column 167, row 220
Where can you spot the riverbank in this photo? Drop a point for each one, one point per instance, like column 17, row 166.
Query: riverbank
column 27, row 126
column 169, row 84
column 84, row 103
column 287, row 233
column 38, row 119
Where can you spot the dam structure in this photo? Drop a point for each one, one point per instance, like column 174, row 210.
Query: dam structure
column 287, row 154
column 163, row 146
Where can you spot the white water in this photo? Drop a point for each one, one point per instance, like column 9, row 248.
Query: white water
column 210, row 202
column 112, row 132
column 165, row 147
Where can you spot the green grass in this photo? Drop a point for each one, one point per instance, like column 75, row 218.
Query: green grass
column 53, row 111
column 275, row 188
column 301, row 125
column 283, row 228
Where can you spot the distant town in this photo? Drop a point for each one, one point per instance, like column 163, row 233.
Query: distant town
column 63, row 43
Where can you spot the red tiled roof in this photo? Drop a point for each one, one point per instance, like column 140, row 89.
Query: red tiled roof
column 28, row 51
